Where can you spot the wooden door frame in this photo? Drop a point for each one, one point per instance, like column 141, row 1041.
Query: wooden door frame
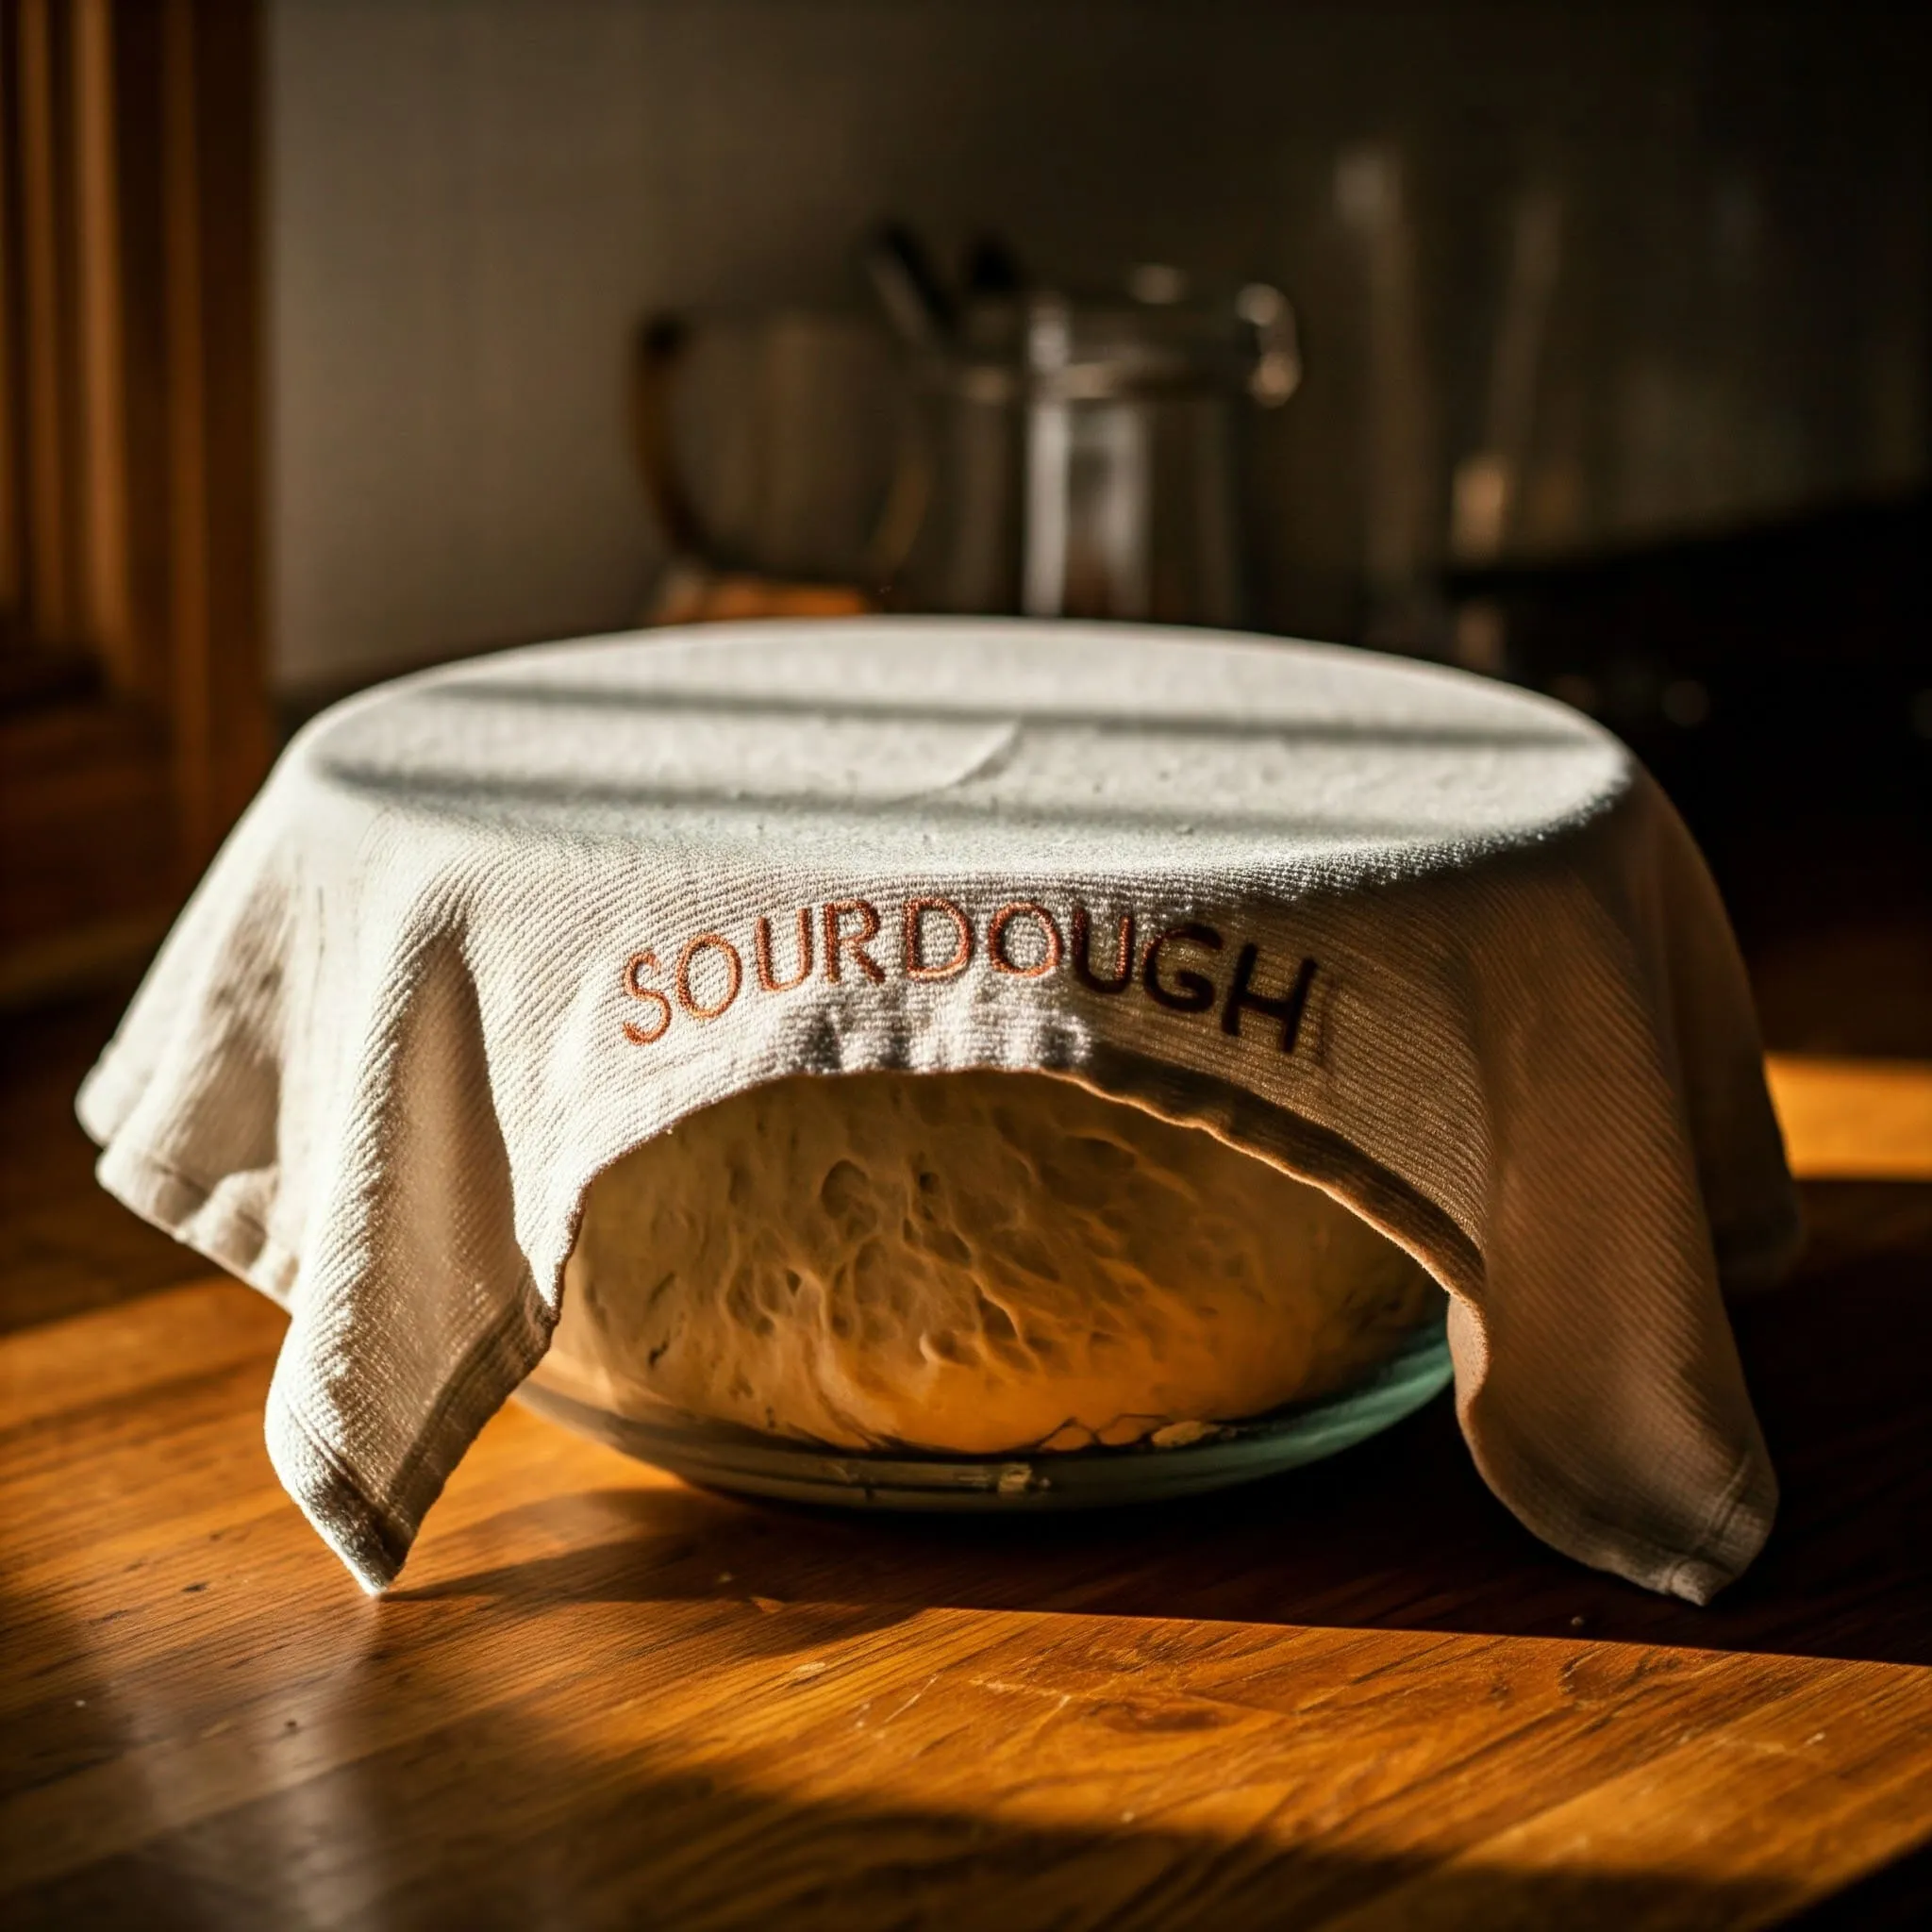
column 133, row 715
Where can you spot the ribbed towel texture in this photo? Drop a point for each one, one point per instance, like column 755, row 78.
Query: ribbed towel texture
column 1437, row 945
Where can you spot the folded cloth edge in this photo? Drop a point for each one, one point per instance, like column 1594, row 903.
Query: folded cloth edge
column 373, row 1542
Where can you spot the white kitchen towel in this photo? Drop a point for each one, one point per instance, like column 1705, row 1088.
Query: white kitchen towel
column 1439, row 947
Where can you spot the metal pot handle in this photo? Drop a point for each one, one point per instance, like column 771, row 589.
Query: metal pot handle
column 659, row 346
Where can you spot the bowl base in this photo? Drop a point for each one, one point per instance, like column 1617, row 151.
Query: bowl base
column 721, row 1456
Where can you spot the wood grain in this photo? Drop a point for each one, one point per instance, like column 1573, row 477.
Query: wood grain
column 602, row 1698
column 1358, row 1696
column 1847, row 1118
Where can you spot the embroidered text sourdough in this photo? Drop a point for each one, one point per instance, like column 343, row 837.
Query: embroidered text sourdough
column 936, row 939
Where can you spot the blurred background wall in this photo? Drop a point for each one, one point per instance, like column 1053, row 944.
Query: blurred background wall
column 1570, row 280
column 321, row 358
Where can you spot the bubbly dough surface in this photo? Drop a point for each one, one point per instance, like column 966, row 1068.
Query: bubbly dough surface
column 974, row 1263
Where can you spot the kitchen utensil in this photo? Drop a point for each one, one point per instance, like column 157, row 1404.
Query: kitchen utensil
column 769, row 444
column 1085, row 455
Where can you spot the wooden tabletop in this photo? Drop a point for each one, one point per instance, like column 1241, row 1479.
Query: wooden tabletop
column 1357, row 1696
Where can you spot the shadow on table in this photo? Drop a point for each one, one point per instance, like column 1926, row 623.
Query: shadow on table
column 460, row 1755
column 1400, row 1534
column 483, row 1825
column 160, row 1791
column 165, row 1788
column 514, row 1814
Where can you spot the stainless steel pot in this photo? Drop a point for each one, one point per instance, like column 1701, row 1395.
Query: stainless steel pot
column 1083, row 461
column 1031, row 453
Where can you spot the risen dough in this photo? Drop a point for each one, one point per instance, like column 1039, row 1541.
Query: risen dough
column 974, row 1263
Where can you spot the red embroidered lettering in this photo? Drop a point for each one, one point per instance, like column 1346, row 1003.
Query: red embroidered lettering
column 852, row 943
column 644, row 1036
column 762, row 948
column 734, row 969
column 1082, row 954
column 914, row 934
column 997, row 938
column 1192, row 993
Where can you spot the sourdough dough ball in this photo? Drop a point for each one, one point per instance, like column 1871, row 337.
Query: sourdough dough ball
column 974, row 1262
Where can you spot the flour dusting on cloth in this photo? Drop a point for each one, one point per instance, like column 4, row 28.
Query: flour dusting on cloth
column 1439, row 947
